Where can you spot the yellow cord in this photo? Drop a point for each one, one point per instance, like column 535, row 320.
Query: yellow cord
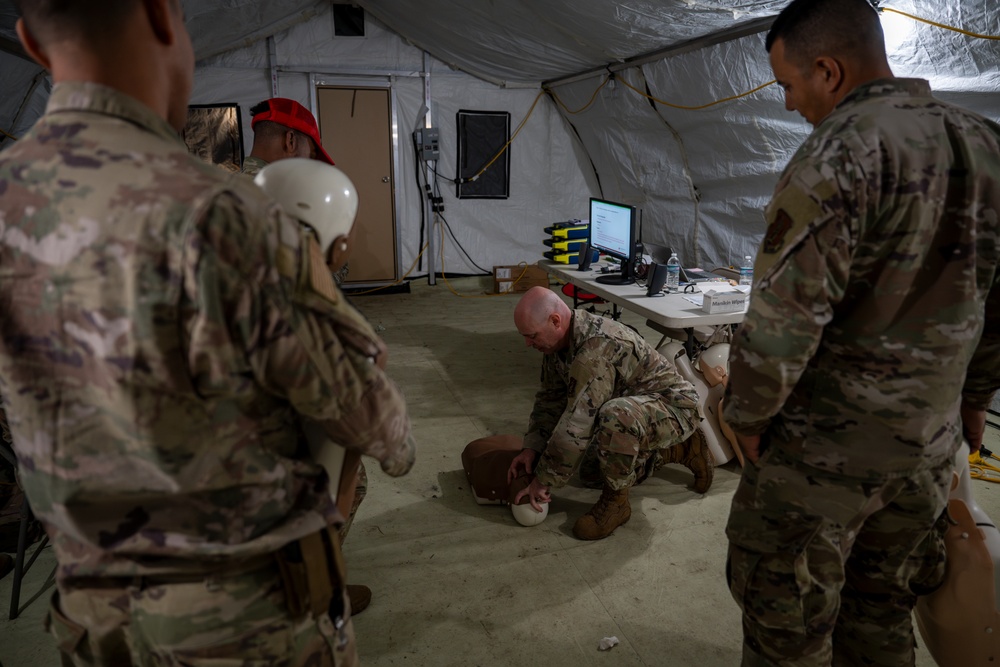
column 700, row 106
column 585, row 106
column 504, row 147
column 940, row 25
column 7, row 134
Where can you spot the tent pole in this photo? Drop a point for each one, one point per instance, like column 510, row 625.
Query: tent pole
column 430, row 215
column 24, row 103
column 272, row 59
column 720, row 37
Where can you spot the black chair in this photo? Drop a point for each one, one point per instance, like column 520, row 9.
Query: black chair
column 20, row 567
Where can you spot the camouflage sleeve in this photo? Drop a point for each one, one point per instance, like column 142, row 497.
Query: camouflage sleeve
column 983, row 378
column 550, row 401
column 800, row 275
column 259, row 313
column 591, row 385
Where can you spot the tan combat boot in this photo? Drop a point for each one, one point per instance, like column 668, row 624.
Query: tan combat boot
column 612, row 510
column 694, row 455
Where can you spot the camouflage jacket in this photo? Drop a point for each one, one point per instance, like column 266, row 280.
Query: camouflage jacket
column 870, row 285
column 604, row 360
column 161, row 340
column 252, row 165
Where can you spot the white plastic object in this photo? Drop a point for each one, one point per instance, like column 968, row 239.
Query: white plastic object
column 673, row 274
column 708, row 401
column 746, row 271
column 314, row 192
column 527, row 516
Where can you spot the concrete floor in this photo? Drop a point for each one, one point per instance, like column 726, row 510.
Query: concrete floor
column 456, row 583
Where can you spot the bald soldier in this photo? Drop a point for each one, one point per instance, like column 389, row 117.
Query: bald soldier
column 164, row 336
column 871, row 343
column 608, row 397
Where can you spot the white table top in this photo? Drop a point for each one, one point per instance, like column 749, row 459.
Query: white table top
column 670, row 310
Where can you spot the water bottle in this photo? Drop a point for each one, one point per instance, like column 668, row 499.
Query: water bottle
column 746, row 271
column 673, row 274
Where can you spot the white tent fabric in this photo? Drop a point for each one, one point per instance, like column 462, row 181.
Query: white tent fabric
column 701, row 177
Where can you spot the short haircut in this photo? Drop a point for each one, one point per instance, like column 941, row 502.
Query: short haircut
column 813, row 28
column 94, row 22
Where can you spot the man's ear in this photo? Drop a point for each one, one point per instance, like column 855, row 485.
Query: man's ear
column 289, row 142
column 158, row 15
column 31, row 45
column 831, row 73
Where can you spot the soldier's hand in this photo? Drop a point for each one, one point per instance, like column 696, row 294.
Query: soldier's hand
column 400, row 461
column 537, row 494
column 750, row 444
column 523, row 464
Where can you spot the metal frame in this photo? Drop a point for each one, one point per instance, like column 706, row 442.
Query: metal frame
column 317, row 79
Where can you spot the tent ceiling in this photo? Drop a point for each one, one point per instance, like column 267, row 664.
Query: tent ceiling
column 521, row 41
column 513, row 41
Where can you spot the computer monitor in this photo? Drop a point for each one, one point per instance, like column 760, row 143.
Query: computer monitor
column 613, row 232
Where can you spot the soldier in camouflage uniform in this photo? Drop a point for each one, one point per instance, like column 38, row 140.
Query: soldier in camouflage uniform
column 873, row 335
column 161, row 340
column 604, row 387
column 284, row 129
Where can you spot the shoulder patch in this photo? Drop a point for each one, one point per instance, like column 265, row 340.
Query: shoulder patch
column 774, row 238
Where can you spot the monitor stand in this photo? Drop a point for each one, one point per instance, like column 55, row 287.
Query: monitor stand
column 615, row 279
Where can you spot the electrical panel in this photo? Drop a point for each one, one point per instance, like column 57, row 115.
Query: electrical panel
column 426, row 139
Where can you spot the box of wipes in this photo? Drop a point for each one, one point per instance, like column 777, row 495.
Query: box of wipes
column 723, row 302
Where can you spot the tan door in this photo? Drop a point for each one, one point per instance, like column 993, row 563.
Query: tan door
column 356, row 130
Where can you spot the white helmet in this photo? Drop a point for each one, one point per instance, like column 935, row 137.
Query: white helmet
column 316, row 193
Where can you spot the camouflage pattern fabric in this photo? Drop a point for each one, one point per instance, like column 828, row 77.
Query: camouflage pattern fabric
column 875, row 288
column 869, row 288
column 252, row 165
column 609, row 387
column 162, row 337
column 205, row 623
column 826, row 568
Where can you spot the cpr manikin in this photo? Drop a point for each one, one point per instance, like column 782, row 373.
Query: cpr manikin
column 960, row 622
column 324, row 200
column 708, row 375
column 486, row 462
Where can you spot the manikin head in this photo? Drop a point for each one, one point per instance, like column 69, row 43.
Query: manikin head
column 138, row 47
column 283, row 128
column 821, row 50
column 321, row 196
column 544, row 320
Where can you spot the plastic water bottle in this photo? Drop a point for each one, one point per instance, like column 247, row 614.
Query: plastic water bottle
column 746, row 271
column 673, row 274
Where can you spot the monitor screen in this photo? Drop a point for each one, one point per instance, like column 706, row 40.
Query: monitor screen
column 613, row 232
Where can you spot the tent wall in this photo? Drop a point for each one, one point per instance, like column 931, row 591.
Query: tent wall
column 549, row 174
column 27, row 88
column 703, row 177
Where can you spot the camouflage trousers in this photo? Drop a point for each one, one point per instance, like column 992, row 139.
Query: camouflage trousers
column 229, row 620
column 826, row 569
column 628, row 432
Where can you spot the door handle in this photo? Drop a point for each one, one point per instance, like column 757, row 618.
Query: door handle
column 385, row 179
